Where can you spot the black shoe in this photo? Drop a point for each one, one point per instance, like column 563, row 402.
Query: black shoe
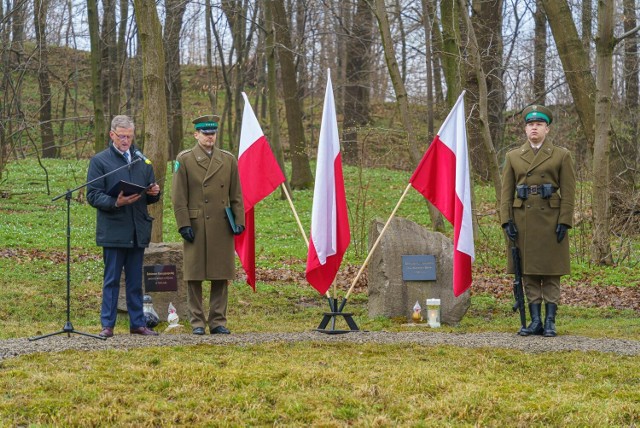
column 199, row 331
column 220, row 330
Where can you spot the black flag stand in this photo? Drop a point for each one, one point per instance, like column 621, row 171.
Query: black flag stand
column 331, row 316
column 68, row 327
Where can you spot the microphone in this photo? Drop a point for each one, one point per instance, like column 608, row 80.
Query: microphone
column 139, row 154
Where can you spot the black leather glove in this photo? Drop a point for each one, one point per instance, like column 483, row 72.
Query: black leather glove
column 561, row 231
column 510, row 230
column 187, row 233
column 238, row 230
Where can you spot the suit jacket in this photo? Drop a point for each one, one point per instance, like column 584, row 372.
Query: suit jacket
column 202, row 188
column 537, row 218
column 125, row 226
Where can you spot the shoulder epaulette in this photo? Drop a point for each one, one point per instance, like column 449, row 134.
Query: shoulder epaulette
column 183, row 152
column 227, row 153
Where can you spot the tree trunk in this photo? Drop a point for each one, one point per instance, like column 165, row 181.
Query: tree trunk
column 154, row 105
column 272, row 94
column 110, row 66
column 49, row 149
column 575, row 62
column 539, row 54
column 301, row 176
column 171, row 42
column 631, row 65
column 601, row 248
column 483, row 100
column 100, row 133
column 450, row 14
column 426, row 23
column 587, row 22
column 212, row 85
column 358, row 80
column 487, row 27
column 436, row 42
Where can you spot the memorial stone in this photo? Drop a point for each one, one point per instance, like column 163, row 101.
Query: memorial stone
column 392, row 296
column 164, row 253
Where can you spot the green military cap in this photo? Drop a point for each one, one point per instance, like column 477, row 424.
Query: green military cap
column 207, row 124
column 537, row 113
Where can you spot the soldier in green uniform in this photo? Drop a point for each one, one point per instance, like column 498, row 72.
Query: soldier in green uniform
column 536, row 210
column 205, row 182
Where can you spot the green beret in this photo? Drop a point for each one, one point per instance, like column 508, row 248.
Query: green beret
column 207, row 124
column 537, row 113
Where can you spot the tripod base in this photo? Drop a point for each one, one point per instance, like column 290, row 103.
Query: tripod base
column 68, row 328
column 332, row 316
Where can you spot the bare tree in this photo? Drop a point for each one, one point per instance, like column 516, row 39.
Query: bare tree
column 171, row 42
column 587, row 23
column 449, row 17
column 49, row 149
column 301, row 176
column 380, row 12
column 154, row 106
column 483, row 101
column 272, row 93
column 631, row 63
column 539, row 54
column 601, row 248
column 100, row 127
column 358, row 78
column 575, row 62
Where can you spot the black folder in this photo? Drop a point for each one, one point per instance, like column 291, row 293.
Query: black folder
column 126, row 187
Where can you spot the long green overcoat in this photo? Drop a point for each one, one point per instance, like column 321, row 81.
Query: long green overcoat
column 537, row 218
column 202, row 188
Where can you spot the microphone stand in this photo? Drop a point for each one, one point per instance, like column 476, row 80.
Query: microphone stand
column 68, row 327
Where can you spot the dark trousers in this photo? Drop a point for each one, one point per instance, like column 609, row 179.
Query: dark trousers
column 115, row 259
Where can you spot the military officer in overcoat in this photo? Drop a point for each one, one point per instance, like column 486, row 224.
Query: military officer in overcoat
column 536, row 210
column 205, row 182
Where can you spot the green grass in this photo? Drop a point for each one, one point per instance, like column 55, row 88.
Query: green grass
column 321, row 385
column 291, row 384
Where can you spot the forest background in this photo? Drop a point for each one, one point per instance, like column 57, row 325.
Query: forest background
column 69, row 67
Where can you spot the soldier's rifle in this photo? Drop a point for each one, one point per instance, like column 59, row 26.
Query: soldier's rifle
column 518, row 287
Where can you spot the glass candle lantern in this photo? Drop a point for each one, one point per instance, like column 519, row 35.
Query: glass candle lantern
column 433, row 312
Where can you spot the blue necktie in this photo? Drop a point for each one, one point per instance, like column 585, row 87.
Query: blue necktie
column 126, row 157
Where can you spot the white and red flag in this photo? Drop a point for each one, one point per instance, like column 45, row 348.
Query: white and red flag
column 260, row 175
column 330, row 234
column 443, row 178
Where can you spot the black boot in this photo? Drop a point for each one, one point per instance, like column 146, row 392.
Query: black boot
column 550, row 319
column 536, row 322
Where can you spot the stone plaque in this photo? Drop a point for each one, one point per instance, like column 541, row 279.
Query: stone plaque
column 160, row 278
column 419, row 268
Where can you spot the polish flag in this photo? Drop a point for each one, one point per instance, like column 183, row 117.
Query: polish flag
column 443, row 178
column 330, row 235
column 260, row 175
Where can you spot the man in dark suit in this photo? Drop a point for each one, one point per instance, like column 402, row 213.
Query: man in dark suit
column 123, row 226
column 536, row 210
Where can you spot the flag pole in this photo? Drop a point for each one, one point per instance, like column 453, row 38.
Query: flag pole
column 295, row 214
column 304, row 236
column 375, row 245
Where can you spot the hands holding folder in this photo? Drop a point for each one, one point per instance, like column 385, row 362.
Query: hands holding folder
column 127, row 193
column 235, row 229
